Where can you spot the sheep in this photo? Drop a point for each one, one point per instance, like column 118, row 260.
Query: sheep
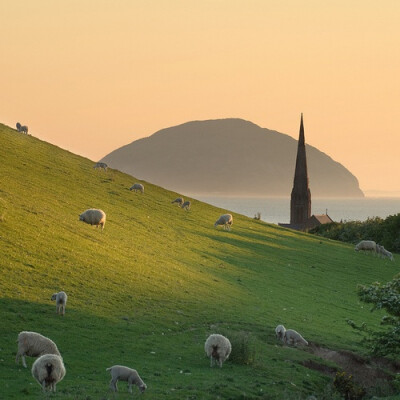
column 368, row 245
column 34, row 344
column 179, row 201
column 48, row 370
column 218, row 348
column 24, row 129
column 292, row 337
column 383, row 252
column 61, row 302
column 226, row 220
column 280, row 332
column 186, row 205
column 136, row 187
column 121, row 373
column 101, row 165
column 18, row 125
column 94, row 216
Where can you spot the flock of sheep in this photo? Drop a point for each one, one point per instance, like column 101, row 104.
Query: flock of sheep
column 48, row 369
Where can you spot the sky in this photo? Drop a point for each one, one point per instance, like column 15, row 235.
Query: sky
column 93, row 75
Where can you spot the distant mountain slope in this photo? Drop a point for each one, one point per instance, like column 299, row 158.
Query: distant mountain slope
column 229, row 156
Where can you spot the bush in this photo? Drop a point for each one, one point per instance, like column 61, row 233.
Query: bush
column 243, row 347
column 345, row 385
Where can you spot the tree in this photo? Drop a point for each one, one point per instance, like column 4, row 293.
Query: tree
column 383, row 297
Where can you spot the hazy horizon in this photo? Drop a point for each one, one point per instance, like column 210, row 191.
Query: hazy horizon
column 92, row 76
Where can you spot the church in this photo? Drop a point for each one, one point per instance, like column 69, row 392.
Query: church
column 300, row 201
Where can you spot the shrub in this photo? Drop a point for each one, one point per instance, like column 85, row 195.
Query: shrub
column 243, row 347
column 345, row 385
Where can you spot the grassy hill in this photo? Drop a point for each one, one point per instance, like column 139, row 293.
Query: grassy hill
column 148, row 290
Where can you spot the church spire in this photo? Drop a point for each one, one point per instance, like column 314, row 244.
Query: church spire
column 300, row 203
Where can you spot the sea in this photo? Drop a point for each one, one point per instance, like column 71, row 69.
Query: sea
column 277, row 209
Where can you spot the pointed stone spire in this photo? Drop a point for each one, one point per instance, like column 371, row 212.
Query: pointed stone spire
column 300, row 203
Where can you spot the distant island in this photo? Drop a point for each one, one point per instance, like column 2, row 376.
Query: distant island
column 229, row 157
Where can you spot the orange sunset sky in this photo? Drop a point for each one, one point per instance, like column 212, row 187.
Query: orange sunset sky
column 93, row 75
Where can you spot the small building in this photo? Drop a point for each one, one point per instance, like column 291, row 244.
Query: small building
column 317, row 220
column 300, row 200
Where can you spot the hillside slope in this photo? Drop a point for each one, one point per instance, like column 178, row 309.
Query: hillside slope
column 229, row 157
column 148, row 290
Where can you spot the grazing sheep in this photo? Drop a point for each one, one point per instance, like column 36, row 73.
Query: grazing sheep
column 34, row 344
column 218, row 348
column 294, row 338
column 24, row 129
column 101, row 165
column 383, row 252
column 136, row 187
column 368, row 245
column 186, row 205
column 226, row 220
column 48, row 370
column 280, row 332
column 121, row 373
column 179, row 201
column 94, row 216
column 61, row 301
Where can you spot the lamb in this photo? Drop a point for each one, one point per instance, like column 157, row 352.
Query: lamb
column 292, row 337
column 136, row 187
column 186, row 205
column 94, row 216
column 101, row 165
column 34, row 344
column 218, row 348
column 48, row 370
column 226, row 220
column 121, row 373
column 383, row 252
column 280, row 332
column 179, row 201
column 61, row 302
column 368, row 245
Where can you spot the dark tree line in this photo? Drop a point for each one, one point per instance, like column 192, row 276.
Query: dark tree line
column 386, row 231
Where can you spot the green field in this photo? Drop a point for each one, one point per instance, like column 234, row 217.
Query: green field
column 148, row 290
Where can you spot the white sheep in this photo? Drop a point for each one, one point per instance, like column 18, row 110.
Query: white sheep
column 368, row 245
column 121, row 373
column 383, row 252
column 294, row 338
column 226, row 220
column 137, row 187
column 101, row 165
column 186, row 205
column 280, row 332
column 94, row 216
column 218, row 348
column 179, row 201
column 34, row 344
column 61, row 301
column 48, row 370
